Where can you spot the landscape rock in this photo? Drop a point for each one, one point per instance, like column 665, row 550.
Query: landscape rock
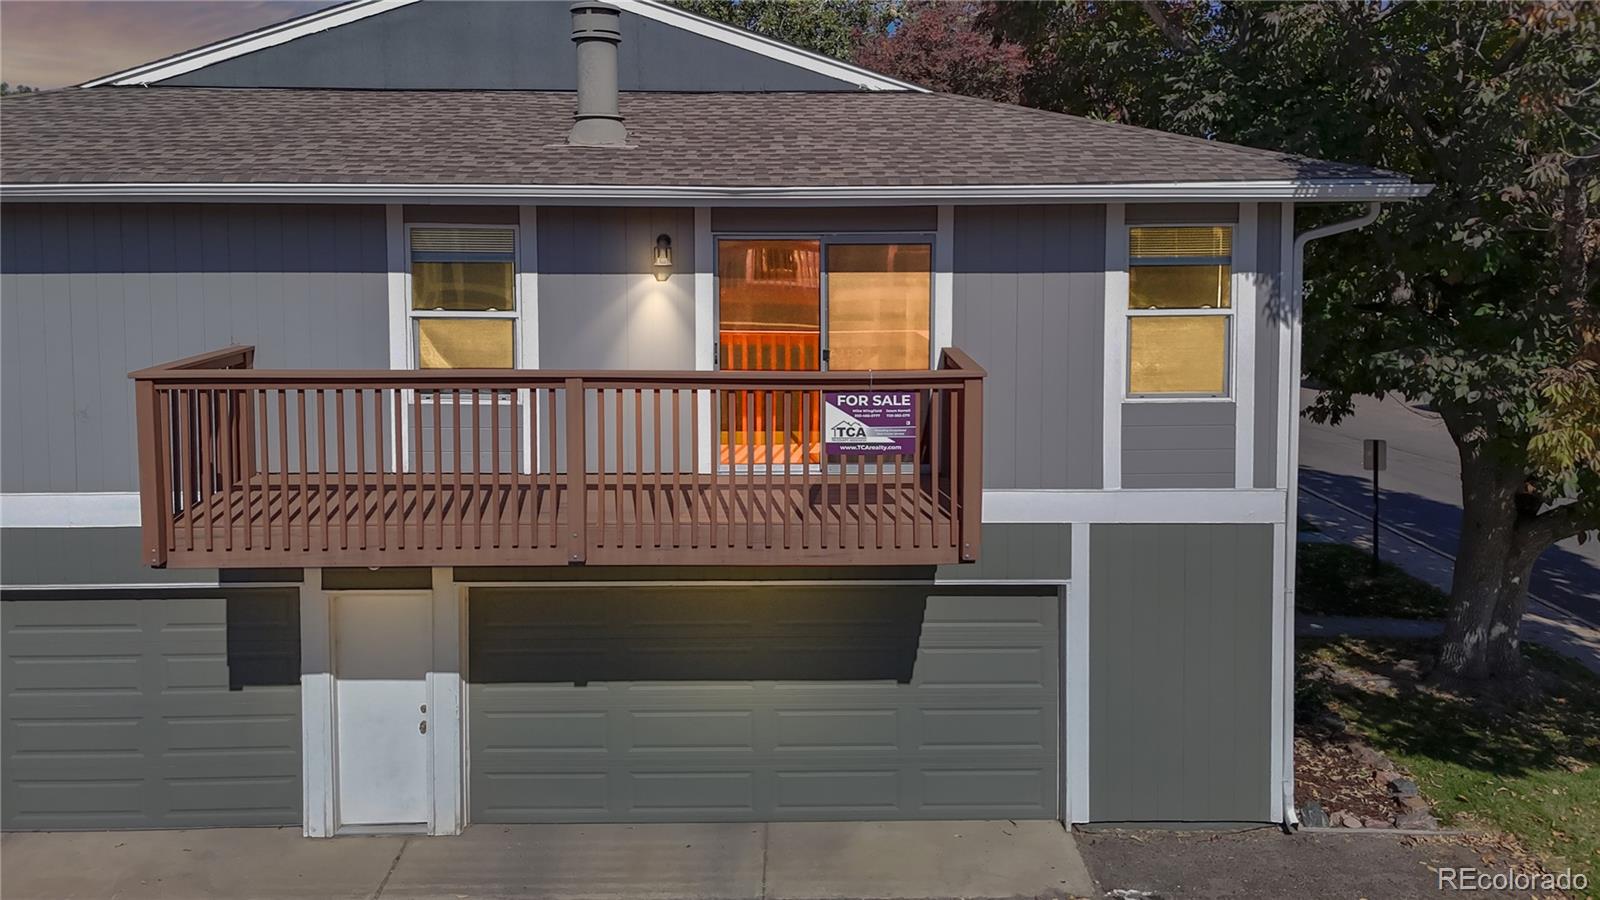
column 1376, row 823
column 1312, row 815
column 1346, row 820
column 1411, row 804
column 1372, row 758
column 1403, row 787
column 1386, row 777
column 1417, row 821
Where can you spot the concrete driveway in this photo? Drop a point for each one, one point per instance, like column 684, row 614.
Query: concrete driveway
column 801, row 860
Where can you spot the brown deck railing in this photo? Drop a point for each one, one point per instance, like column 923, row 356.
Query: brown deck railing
column 247, row 467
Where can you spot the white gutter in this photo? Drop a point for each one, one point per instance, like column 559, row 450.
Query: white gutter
column 1234, row 191
column 1291, row 818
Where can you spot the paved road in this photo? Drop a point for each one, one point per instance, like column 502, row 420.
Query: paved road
column 1421, row 494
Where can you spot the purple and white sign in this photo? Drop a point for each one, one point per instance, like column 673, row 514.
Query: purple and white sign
column 873, row 422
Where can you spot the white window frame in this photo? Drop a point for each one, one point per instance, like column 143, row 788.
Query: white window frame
column 514, row 315
column 1230, row 339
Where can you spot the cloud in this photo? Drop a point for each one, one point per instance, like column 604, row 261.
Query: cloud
column 62, row 42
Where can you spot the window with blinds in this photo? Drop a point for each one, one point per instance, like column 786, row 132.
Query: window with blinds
column 1180, row 310
column 464, row 297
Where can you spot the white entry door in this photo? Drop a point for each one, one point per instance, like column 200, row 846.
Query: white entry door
column 383, row 645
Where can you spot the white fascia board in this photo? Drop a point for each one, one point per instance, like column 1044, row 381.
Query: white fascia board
column 260, row 39
column 1143, row 506
column 765, row 46
column 690, row 195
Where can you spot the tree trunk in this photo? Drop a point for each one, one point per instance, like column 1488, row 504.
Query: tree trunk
column 1505, row 647
column 1483, row 561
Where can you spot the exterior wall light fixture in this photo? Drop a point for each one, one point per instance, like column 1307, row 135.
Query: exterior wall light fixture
column 662, row 266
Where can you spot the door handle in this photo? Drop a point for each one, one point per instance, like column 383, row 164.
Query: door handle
column 422, row 727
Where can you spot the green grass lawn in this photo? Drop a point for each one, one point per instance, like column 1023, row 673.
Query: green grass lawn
column 1529, row 765
column 1335, row 580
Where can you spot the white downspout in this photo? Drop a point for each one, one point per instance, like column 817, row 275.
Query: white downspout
column 1291, row 817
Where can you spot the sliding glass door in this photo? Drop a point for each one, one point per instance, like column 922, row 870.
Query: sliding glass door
column 786, row 304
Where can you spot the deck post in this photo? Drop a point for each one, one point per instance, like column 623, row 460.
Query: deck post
column 971, row 467
column 577, row 478
column 154, row 512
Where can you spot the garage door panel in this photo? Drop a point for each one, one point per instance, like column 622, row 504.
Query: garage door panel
column 962, row 723
column 151, row 712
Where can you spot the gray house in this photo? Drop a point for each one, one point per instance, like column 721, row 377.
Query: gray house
column 607, row 415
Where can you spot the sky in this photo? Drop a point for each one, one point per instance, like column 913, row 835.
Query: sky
column 54, row 43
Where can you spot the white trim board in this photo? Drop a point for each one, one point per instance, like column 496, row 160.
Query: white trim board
column 249, row 42
column 1194, row 506
column 691, row 195
column 1114, row 340
column 344, row 14
column 1243, row 356
column 1004, row 505
column 70, row 510
column 1075, row 693
column 944, row 282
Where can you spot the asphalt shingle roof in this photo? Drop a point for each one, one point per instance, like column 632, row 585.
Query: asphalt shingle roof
column 206, row 135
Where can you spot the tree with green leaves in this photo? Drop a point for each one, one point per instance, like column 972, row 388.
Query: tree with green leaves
column 1479, row 299
column 831, row 27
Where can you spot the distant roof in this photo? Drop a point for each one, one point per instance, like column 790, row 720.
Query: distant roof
column 724, row 143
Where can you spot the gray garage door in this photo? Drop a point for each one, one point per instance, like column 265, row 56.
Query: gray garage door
column 151, row 713
column 631, row 704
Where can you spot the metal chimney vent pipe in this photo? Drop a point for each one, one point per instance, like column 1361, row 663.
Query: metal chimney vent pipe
column 597, row 30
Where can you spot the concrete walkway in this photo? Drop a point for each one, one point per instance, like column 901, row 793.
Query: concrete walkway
column 561, row 862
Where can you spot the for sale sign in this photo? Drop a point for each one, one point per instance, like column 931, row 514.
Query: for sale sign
column 873, row 422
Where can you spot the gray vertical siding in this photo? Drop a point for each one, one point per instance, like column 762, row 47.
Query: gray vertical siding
column 158, row 712
column 1030, row 308
column 89, row 292
column 600, row 306
column 501, row 46
column 1181, row 213
column 1271, row 320
column 1178, row 445
column 1180, row 673
column 1018, row 551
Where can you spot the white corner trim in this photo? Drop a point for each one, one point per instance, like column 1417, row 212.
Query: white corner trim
column 1182, row 505
column 1278, row 739
column 316, row 708
column 110, row 509
column 1289, row 315
column 445, row 707
column 765, row 46
column 944, row 282
column 1245, row 278
column 1075, row 681
column 260, row 39
column 690, row 195
column 528, row 286
column 1115, row 342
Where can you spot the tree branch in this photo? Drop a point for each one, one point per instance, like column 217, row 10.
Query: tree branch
column 1556, row 524
column 1176, row 36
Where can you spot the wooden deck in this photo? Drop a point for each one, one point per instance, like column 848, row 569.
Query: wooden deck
column 354, row 520
column 240, row 467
